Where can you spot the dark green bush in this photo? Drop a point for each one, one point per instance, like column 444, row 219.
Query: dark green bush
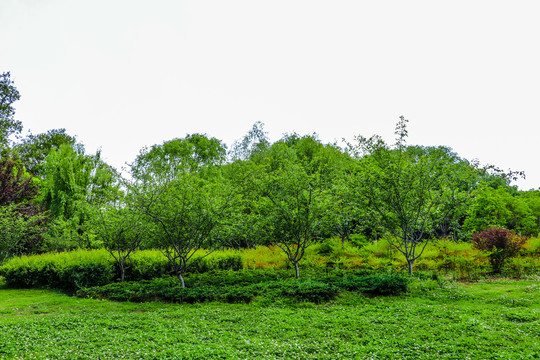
column 231, row 262
column 325, row 248
column 168, row 289
column 203, row 264
column 373, row 284
column 85, row 275
column 152, row 290
column 309, row 290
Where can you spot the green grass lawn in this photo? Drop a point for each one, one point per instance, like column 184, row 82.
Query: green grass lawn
column 487, row 320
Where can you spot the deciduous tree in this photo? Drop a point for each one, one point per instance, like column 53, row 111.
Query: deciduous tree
column 185, row 211
column 8, row 95
column 122, row 230
column 405, row 189
column 34, row 148
column 188, row 154
column 291, row 203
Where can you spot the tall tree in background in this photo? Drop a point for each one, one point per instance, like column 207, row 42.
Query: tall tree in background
column 253, row 143
column 178, row 155
column 21, row 219
column 33, row 149
column 73, row 183
column 8, row 95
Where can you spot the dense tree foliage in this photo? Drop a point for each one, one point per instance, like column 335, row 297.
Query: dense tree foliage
column 33, row 149
column 22, row 218
column 189, row 194
column 74, row 183
column 187, row 154
column 8, row 95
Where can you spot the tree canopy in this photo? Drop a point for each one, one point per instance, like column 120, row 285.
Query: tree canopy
column 8, row 95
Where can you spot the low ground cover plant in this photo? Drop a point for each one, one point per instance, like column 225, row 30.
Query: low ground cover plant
column 245, row 286
column 455, row 321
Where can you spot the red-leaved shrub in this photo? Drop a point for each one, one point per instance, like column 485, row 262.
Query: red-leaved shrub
column 502, row 243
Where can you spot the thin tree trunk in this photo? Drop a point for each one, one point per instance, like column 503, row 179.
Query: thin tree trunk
column 122, row 273
column 181, row 278
column 297, row 270
column 410, row 263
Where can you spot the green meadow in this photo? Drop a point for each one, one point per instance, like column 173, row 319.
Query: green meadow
column 488, row 319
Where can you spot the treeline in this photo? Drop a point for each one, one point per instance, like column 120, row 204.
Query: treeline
column 191, row 195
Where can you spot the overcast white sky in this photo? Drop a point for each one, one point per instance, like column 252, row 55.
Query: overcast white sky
column 122, row 74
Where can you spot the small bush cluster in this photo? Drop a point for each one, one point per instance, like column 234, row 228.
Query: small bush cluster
column 245, row 286
column 501, row 243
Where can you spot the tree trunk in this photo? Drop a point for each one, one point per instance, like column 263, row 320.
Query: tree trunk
column 410, row 263
column 297, row 270
column 122, row 273
column 181, row 278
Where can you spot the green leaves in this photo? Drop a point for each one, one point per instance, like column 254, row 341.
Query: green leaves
column 185, row 211
column 411, row 190
column 8, row 95
column 17, row 229
column 189, row 154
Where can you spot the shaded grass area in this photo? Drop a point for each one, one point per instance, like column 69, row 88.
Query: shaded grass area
column 485, row 320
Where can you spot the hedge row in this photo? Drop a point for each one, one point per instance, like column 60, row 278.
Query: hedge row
column 245, row 286
column 82, row 268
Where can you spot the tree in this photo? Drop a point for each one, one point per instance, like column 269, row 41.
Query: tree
column 405, row 190
column 74, row 183
column 499, row 207
column 253, row 143
column 22, row 218
column 502, row 243
column 188, row 154
column 345, row 215
column 291, row 203
column 16, row 185
column 185, row 210
column 8, row 95
column 17, row 230
column 122, row 231
column 34, row 148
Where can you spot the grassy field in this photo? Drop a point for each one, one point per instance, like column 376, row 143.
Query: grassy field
column 498, row 319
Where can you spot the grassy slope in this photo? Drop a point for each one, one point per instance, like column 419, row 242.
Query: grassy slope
column 486, row 320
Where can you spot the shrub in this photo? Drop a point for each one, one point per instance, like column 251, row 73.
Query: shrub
column 308, row 290
column 68, row 270
column 375, row 284
column 168, row 289
column 85, row 268
column 502, row 244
